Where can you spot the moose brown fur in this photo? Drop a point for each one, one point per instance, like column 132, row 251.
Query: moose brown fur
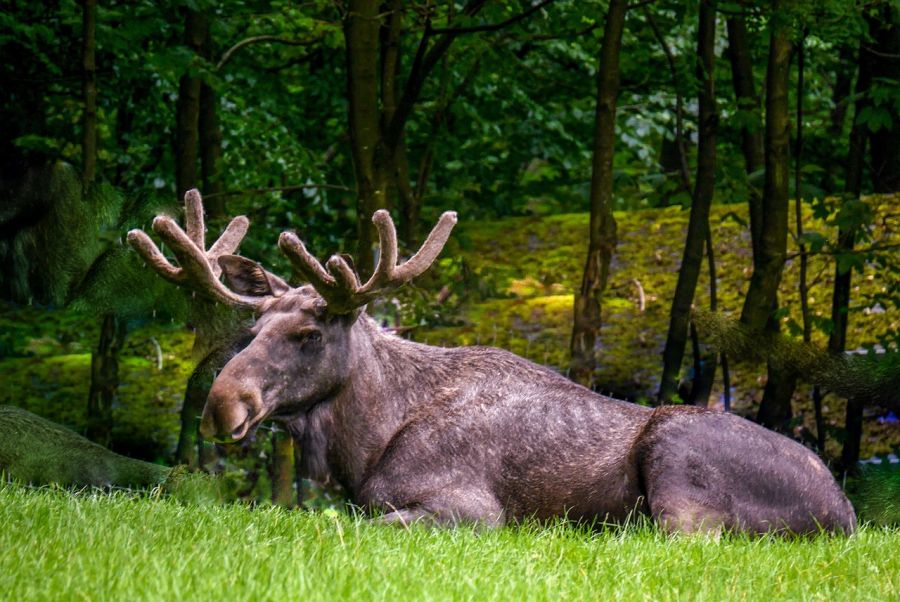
column 473, row 433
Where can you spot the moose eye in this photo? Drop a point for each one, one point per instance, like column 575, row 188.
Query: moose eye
column 307, row 337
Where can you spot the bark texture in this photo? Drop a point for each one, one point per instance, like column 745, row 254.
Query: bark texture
column 282, row 470
column 602, row 235
column 187, row 110
column 698, row 224
column 762, row 295
column 840, row 300
column 89, row 93
column 104, row 380
column 748, row 100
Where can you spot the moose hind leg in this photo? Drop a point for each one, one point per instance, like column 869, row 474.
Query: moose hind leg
column 680, row 501
column 705, row 470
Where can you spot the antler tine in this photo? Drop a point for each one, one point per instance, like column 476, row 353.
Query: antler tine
column 198, row 269
column 147, row 249
column 193, row 218
column 305, row 262
column 228, row 243
column 429, row 250
column 339, row 285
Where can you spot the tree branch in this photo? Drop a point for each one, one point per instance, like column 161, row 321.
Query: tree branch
column 493, row 26
column 280, row 189
column 259, row 39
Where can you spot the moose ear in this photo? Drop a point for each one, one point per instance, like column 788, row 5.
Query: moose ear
column 246, row 277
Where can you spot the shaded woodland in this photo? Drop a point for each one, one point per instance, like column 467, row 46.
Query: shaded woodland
column 626, row 174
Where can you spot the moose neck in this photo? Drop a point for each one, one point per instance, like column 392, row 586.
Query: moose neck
column 386, row 382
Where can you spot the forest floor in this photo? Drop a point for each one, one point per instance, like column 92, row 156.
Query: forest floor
column 121, row 546
column 506, row 283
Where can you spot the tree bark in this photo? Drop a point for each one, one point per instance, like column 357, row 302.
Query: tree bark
column 89, row 93
column 602, row 241
column 698, row 224
column 361, row 28
column 741, row 60
column 104, row 380
column 762, row 296
column 840, row 299
column 187, row 110
column 283, row 472
column 210, row 139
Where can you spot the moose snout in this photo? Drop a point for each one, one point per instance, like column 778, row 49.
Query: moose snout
column 230, row 412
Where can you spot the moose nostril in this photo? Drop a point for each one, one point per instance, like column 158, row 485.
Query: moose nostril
column 240, row 431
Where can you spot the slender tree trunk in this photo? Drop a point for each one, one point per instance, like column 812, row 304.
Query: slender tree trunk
column 762, row 296
column 89, row 93
column 361, row 30
column 840, row 300
column 698, row 225
column 283, row 473
column 840, row 94
column 798, row 218
column 195, row 394
column 104, row 380
column 741, row 60
column 602, row 241
column 210, row 138
column 105, row 359
column 187, row 110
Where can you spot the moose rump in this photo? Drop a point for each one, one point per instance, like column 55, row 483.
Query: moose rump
column 416, row 432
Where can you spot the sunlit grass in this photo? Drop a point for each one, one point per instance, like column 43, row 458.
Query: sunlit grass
column 94, row 546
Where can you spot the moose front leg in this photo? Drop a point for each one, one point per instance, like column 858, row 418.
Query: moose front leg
column 448, row 508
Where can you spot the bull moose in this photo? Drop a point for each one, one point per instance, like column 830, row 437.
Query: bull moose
column 475, row 434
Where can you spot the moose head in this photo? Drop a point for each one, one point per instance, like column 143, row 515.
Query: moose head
column 299, row 354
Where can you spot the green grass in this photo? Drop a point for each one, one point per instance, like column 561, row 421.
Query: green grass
column 93, row 546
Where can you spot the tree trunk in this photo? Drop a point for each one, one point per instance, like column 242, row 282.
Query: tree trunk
column 602, row 241
column 104, row 380
column 89, row 93
column 762, row 296
column 698, row 224
column 361, row 29
column 840, row 300
column 840, row 94
column 804, row 259
column 195, row 394
column 187, row 110
column 751, row 137
column 283, row 472
column 210, row 138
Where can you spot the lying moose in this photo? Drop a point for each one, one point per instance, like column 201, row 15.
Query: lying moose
column 472, row 433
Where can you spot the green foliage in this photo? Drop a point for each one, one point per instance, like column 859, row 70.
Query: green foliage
column 875, row 493
column 164, row 549
column 46, row 370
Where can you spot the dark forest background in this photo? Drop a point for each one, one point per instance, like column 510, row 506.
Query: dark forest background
column 614, row 164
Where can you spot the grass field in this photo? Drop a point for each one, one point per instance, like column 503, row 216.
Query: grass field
column 55, row 545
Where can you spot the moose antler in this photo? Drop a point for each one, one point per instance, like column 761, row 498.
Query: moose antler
column 198, row 267
column 339, row 285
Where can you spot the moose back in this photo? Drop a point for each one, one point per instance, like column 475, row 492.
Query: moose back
column 416, row 432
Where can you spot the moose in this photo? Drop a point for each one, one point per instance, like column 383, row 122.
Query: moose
column 471, row 434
